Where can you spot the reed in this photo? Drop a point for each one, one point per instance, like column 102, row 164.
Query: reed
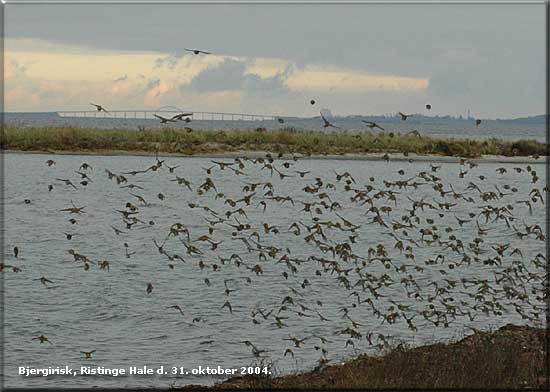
column 512, row 357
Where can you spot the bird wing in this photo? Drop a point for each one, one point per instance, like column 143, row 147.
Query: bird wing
column 180, row 116
column 324, row 119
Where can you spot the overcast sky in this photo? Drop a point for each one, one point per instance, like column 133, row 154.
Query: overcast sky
column 272, row 59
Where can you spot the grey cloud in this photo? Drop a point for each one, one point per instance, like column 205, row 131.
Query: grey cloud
column 488, row 55
column 231, row 75
column 270, row 86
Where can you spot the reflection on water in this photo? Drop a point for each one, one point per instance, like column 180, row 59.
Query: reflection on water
column 325, row 269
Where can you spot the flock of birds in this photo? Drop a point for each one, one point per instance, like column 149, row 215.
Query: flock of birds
column 406, row 248
column 434, row 264
column 326, row 123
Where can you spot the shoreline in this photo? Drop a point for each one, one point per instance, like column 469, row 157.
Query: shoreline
column 398, row 157
column 511, row 357
column 256, row 143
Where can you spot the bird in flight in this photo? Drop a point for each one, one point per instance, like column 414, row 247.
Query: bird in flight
column 44, row 280
column 404, row 116
column 42, row 339
column 74, row 209
column 327, row 123
column 67, row 182
column 181, row 116
column 88, row 354
column 428, row 106
column 99, row 107
column 196, row 51
column 164, row 120
column 177, row 307
column 372, row 125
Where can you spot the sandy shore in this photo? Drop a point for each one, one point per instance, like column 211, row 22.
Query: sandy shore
column 341, row 157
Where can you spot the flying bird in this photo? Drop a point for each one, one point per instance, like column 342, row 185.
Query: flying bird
column 181, row 116
column 99, row 107
column 88, row 354
column 42, row 339
column 44, row 280
column 197, row 51
column 404, row 116
column 164, row 120
column 372, row 125
column 327, row 123
column 177, row 307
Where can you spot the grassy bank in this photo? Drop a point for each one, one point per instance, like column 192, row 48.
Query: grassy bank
column 285, row 141
column 510, row 358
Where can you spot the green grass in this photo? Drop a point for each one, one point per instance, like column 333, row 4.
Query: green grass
column 173, row 140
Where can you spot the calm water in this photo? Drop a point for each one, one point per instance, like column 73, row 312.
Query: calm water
column 110, row 311
column 434, row 127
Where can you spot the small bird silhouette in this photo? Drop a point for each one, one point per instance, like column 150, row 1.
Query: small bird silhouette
column 42, row 339
column 327, row 123
column 404, row 116
column 372, row 125
column 99, row 107
column 181, row 116
column 88, row 354
column 197, row 51
column 177, row 307
column 164, row 120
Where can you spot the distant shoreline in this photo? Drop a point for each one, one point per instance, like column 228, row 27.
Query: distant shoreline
column 398, row 157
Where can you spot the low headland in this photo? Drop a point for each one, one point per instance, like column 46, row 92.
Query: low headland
column 512, row 357
column 285, row 141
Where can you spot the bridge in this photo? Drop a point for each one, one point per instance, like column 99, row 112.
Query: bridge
column 149, row 115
